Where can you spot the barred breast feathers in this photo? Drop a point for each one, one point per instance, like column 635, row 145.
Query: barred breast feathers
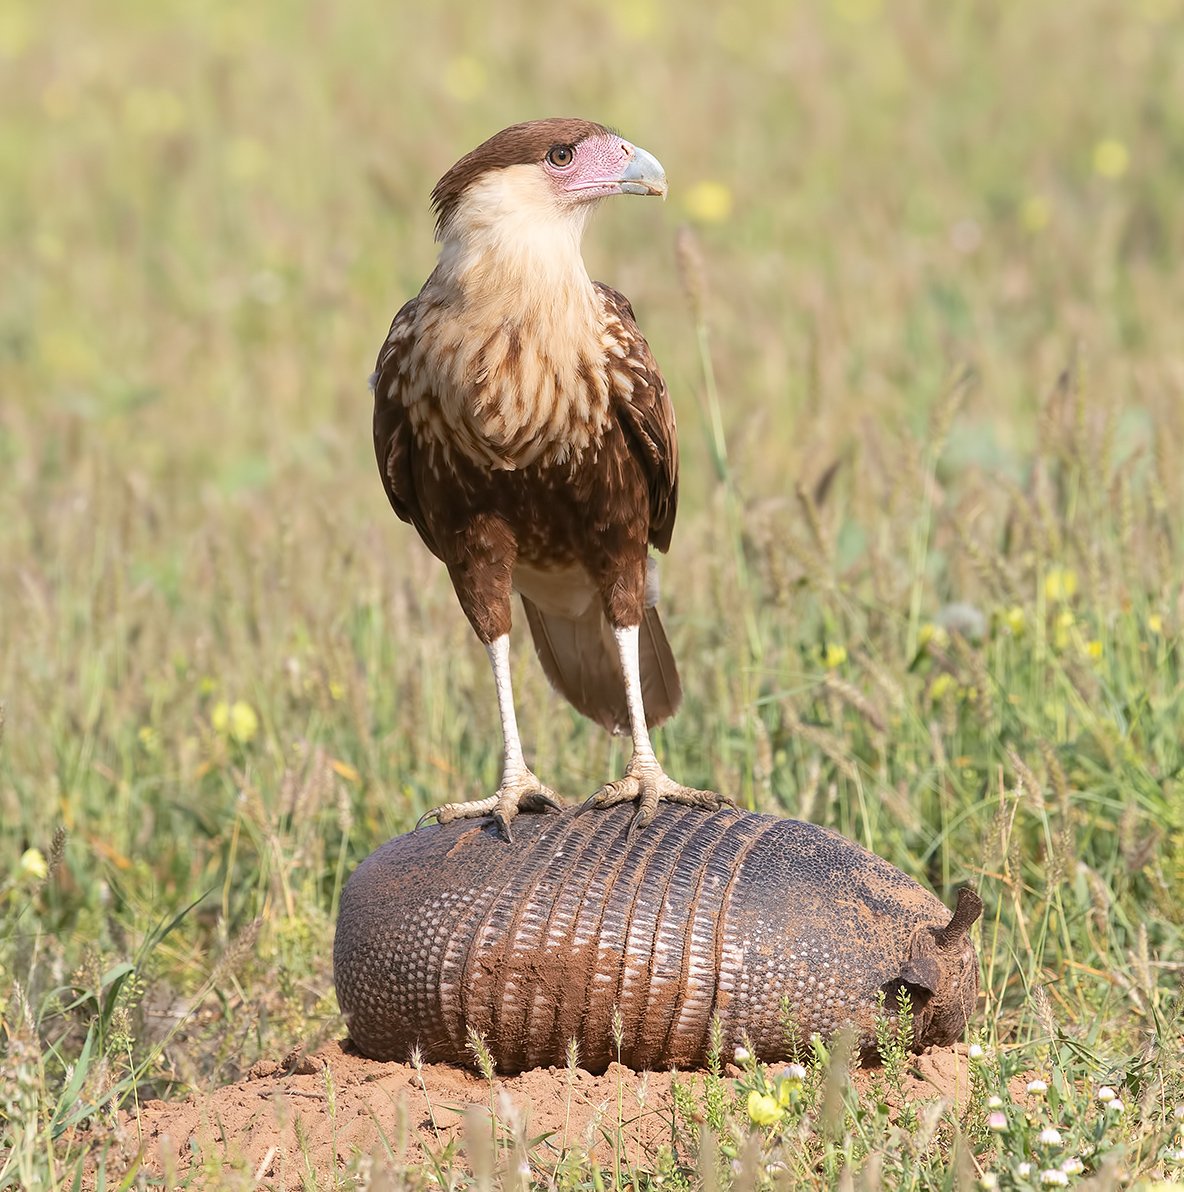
column 508, row 354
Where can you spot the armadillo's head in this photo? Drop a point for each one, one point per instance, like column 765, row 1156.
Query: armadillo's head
column 941, row 974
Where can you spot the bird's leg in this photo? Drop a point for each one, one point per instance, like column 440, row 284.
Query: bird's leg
column 645, row 781
column 520, row 790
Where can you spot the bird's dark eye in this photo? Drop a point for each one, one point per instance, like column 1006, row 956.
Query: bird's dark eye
column 561, row 156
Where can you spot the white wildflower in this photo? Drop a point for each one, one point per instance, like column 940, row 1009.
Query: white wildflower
column 1073, row 1166
column 994, row 1102
column 1037, row 1087
column 1054, row 1176
column 976, row 1052
column 742, row 1055
column 1106, row 1094
column 1050, row 1136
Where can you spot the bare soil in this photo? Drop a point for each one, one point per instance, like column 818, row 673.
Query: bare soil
column 319, row 1115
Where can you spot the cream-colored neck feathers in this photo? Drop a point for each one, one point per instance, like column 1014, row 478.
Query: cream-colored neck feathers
column 510, row 326
column 508, row 239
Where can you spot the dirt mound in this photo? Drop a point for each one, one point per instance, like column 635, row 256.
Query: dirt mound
column 327, row 1112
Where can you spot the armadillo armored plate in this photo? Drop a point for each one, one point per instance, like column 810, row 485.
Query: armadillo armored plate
column 724, row 913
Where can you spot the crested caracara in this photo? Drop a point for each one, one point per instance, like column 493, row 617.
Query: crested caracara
column 522, row 427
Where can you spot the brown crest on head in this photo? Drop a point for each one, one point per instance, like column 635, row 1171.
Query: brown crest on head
column 520, row 144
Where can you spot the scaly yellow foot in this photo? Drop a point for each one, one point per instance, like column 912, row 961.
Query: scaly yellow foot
column 522, row 793
column 648, row 784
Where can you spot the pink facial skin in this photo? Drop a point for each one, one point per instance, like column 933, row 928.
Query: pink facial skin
column 603, row 165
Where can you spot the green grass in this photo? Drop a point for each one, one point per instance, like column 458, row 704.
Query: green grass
column 924, row 343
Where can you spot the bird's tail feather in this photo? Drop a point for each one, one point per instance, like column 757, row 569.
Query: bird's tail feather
column 661, row 688
column 579, row 656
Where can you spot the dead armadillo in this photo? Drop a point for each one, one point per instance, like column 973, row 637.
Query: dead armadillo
column 725, row 913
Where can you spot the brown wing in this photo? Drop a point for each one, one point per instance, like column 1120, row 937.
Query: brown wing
column 646, row 416
column 394, row 443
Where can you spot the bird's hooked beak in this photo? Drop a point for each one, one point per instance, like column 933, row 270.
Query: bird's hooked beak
column 643, row 175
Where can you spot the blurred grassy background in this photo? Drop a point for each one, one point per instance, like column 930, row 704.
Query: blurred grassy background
column 934, row 273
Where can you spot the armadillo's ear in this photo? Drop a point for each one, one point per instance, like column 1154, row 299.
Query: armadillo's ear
column 920, row 967
column 966, row 913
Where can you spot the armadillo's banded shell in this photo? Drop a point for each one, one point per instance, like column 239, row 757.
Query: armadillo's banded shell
column 536, row 942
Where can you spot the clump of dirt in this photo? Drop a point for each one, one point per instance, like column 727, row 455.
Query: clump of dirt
column 323, row 1112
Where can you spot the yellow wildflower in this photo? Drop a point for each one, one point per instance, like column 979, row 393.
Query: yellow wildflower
column 763, row 1109
column 16, row 31
column 246, row 159
column 34, row 865
column 857, row 12
column 464, row 77
column 1155, row 623
column 709, row 201
column 1157, row 11
column 153, row 111
column 939, row 687
column 635, row 19
column 1111, row 158
column 48, row 247
column 239, row 720
column 1014, row 620
column 833, row 655
column 70, row 353
column 1094, row 648
column 244, row 722
column 789, row 1087
column 935, row 634
column 1060, row 585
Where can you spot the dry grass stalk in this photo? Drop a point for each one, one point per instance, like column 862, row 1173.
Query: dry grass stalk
column 855, row 699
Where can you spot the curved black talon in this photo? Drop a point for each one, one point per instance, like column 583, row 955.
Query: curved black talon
column 427, row 815
column 590, row 802
column 536, row 801
column 638, row 824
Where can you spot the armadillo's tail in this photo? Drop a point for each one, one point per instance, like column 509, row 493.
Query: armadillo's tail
column 579, row 656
